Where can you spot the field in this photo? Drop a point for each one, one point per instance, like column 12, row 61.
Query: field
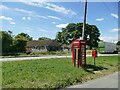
column 54, row 73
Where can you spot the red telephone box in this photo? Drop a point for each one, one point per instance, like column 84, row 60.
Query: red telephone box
column 79, row 52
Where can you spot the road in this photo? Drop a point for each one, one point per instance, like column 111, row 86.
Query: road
column 46, row 57
column 110, row 81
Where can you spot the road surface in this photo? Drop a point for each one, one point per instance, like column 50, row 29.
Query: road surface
column 110, row 81
column 47, row 57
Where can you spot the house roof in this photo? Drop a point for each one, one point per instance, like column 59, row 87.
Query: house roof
column 42, row 43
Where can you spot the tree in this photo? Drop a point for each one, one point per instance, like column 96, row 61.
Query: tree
column 21, row 41
column 44, row 38
column 28, row 38
column 93, row 32
column 74, row 31
column 118, row 43
column 6, row 40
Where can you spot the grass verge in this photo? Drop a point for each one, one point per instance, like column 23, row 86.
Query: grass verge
column 54, row 73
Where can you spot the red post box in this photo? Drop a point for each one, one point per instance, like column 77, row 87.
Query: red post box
column 94, row 53
column 79, row 52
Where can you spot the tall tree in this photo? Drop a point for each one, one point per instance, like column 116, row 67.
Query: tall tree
column 21, row 41
column 26, row 36
column 74, row 31
column 6, row 40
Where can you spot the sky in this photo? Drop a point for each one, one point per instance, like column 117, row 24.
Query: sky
column 45, row 19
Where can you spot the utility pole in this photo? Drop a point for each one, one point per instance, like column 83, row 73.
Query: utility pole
column 85, row 12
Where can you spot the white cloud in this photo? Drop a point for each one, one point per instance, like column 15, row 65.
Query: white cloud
column 29, row 18
column 6, row 18
column 50, row 6
column 62, row 25
column 23, row 11
column 100, row 19
column 12, row 23
column 59, row 0
column 53, row 22
column 114, row 15
column 10, row 20
column 40, row 16
column 2, row 7
column 54, row 17
column 26, row 18
column 41, row 1
column 23, row 18
column 115, row 30
column 33, row 14
column 109, row 38
column 60, row 9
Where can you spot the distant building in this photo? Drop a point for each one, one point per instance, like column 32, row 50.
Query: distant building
column 66, row 48
column 42, row 46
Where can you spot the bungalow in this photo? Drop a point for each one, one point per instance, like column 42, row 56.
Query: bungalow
column 42, row 46
column 66, row 48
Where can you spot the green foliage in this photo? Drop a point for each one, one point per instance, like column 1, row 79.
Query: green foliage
column 13, row 45
column 118, row 43
column 53, row 73
column 6, row 40
column 24, row 36
column 44, row 38
column 21, row 41
column 74, row 31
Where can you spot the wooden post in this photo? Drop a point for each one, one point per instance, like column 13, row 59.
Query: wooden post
column 85, row 12
column 94, row 61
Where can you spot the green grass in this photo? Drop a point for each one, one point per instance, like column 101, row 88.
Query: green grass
column 54, row 73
